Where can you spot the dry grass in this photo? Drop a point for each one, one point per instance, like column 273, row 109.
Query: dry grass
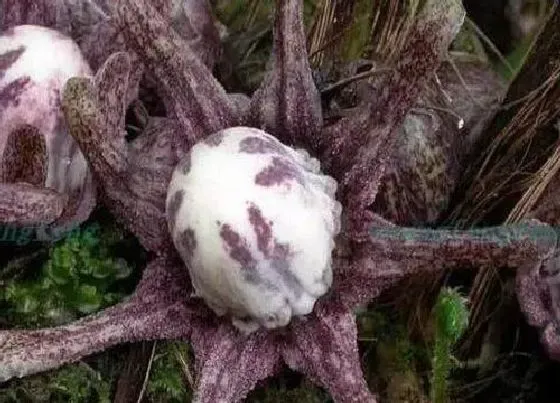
column 345, row 30
column 510, row 170
column 538, row 183
column 521, row 131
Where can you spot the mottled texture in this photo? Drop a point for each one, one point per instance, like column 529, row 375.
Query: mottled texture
column 538, row 292
column 264, row 223
column 325, row 347
column 134, row 180
column 287, row 104
column 25, row 204
column 174, row 204
column 538, row 285
column 434, row 143
column 152, row 309
column 360, row 156
column 7, row 59
column 260, row 145
column 25, row 157
column 35, row 145
column 237, row 248
column 279, row 171
column 135, row 177
column 193, row 20
column 190, row 93
column 90, row 23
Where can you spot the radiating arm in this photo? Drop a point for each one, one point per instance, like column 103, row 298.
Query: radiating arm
column 359, row 146
column 131, row 185
column 190, row 92
column 158, row 310
column 395, row 253
column 326, row 348
column 288, row 104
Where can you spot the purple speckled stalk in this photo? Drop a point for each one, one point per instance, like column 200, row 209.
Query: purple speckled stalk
column 190, row 92
column 537, row 292
column 94, row 112
column 362, row 153
column 407, row 252
column 26, row 204
column 325, row 347
column 99, row 106
column 25, row 352
column 288, row 104
column 229, row 365
column 159, row 300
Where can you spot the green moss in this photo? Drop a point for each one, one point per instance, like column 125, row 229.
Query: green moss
column 167, row 382
column 80, row 276
column 386, row 330
column 451, row 316
column 77, row 383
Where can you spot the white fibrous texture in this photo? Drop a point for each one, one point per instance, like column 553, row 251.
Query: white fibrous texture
column 254, row 221
column 35, row 63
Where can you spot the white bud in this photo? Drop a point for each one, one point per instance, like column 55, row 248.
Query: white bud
column 254, row 221
column 35, row 63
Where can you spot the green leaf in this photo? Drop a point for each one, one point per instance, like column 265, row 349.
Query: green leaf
column 27, row 304
column 59, row 273
column 102, row 268
column 452, row 314
column 88, row 299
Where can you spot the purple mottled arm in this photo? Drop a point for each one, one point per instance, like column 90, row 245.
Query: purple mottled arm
column 159, row 300
column 111, row 84
column 95, row 118
column 229, row 364
column 535, row 301
column 394, row 253
column 507, row 245
column 190, row 93
column 94, row 111
column 193, row 20
column 25, row 204
column 362, row 144
column 24, row 352
column 537, row 293
column 288, row 104
column 551, row 341
column 530, row 294
column 325, row 347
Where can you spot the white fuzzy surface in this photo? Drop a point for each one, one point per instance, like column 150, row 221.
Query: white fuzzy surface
column 219, row 189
